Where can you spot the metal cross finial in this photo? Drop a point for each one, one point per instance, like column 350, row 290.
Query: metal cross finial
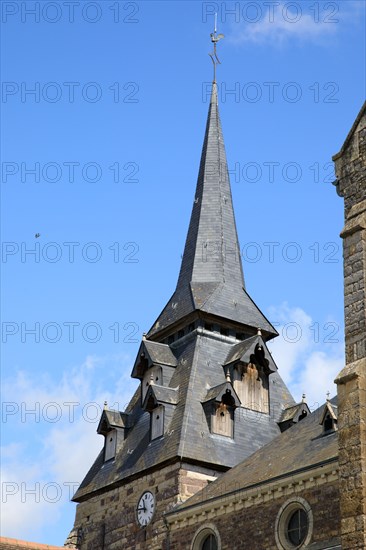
column 214, row 39
column 328, row 394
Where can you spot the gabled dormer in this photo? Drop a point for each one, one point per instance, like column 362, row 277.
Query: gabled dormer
column 219, row 406
column 154, row 362
column 160, row 403
column 250, row 365
column 329, row 418
column 293, row 414
column 113, row 425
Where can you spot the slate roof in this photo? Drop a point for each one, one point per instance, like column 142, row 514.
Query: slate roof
column 187, row 434
column 243, row 350
column 217, row 391
column 291, row 412
column 112, row 419
column 162, row 394
column 160, row 354
column 155, row 353
column 301, row 447
column 211, row 276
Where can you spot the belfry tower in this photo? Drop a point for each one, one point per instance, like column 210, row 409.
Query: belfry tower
column 209, row 392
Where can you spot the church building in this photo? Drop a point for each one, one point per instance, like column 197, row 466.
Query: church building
column 212, row 452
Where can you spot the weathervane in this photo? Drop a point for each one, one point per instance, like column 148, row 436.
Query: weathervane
column 214, row 39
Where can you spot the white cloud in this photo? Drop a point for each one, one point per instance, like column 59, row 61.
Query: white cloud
column 27, row 498
column 276, row 23
column 58, row 442
column 309, row 354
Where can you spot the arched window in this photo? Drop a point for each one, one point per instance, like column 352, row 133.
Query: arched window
column 222, row 422
column 251, row 385
column 209, row 543
column 206, row 538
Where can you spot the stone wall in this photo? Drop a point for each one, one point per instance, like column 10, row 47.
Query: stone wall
column 350, row 165
column 354, row 254
column 352, row 454
column 254, row 526
column 108, row 521
column 351, row 184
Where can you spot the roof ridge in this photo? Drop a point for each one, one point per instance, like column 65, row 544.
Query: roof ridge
column 184, row 423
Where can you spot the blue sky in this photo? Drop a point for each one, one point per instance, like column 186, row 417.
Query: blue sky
column 113, row 132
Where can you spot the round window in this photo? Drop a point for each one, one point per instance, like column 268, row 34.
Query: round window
column 297, row 527
column 294, row 524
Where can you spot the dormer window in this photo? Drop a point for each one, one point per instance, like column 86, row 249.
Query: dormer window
column 329, row 418
column 293, row 414
column 303, row 414
column 157, row 422
column 159, row 402
column 113, row 425
column 329, row 423
column 251, row 385
column 153, row 375
column 222, row 421
column 250, row 374
column 219, row 407
column 110, row 445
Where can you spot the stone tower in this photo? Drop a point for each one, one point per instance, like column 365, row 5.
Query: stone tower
column 350, row 165
column 209, row 394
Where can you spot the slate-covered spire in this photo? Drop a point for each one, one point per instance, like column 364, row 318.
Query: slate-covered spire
column 212, row 252
column 211, row 276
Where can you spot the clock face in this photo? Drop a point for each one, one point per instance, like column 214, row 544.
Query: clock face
column 145, row 508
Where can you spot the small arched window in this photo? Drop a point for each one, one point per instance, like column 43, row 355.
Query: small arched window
column 222, row 420
column 206, row 538
column 209, row 543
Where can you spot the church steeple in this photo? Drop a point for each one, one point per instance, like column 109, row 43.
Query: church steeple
column 209, row 391
column 211, row 276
